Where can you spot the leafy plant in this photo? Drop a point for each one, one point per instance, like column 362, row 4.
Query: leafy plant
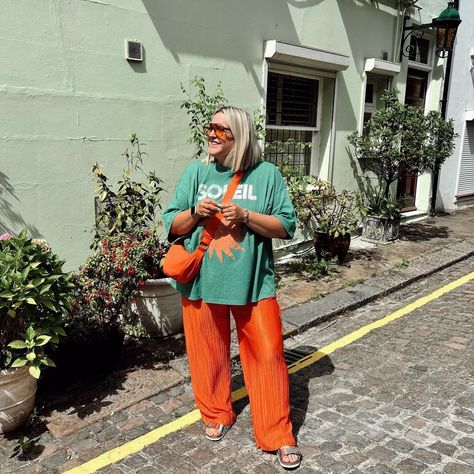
column 320, row 207
column 200, row 106
column 400, row 139
column 393, row 142
column 35, row 301
column 377, row 204
column 439, row 143
column 402, row 264
column 310, row 267
column 113, row 276
column 128, row 250
column 133, row 204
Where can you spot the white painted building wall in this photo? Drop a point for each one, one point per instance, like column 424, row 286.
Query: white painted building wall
column 461, row 108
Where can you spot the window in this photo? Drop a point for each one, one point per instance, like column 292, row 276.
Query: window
column 291, row 122
column 373, row 91
column 369, row 94
column 416, row 87
column 419, row 49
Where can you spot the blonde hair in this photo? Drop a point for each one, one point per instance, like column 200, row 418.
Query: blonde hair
column 246, row 152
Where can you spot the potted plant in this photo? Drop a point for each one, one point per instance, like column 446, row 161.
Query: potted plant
column 118, row 286
column 393, row 144
column 329, row 216
column 381, row 218
column 35, row 299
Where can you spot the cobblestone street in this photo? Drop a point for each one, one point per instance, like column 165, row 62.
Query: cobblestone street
column 401, row 399
column 397, row 400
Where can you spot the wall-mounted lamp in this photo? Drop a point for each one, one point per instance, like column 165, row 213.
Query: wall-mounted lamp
column 446, row 26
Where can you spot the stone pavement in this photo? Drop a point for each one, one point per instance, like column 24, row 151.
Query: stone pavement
column 398, row 401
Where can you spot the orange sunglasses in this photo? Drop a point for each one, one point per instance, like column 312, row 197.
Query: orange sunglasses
column 219, row 130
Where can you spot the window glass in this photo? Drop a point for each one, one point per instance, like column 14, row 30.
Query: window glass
column 291, row 100
column 419, row 49
column 292, row 103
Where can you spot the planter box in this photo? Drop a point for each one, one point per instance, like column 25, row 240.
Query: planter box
column 380, row 230
column 159, row 307
column 17, row 398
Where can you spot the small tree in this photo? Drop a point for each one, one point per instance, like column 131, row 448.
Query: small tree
column 200, row 106
column 439, row 141
column 393, row 142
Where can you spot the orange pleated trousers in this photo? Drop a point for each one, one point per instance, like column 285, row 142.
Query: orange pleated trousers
column 259, row 330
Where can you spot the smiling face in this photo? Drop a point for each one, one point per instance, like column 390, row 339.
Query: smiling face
column 220, row 148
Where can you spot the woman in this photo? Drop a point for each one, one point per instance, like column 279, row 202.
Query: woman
column 236, row 276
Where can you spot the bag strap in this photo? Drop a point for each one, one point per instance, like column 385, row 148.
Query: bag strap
column 209, row 231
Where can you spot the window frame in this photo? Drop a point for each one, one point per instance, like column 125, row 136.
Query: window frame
column 296, row 71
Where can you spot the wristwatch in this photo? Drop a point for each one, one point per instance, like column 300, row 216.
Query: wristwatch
column 193, row 210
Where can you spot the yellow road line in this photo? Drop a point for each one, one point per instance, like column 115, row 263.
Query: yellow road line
column 117, row 454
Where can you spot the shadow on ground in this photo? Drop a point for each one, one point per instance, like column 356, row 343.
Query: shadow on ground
column 89, row 390
column 423, row 232
column 299, row 386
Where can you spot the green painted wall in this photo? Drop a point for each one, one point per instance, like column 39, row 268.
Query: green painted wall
column 68, row 98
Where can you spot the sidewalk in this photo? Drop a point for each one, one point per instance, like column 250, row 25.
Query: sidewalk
column 424, row 248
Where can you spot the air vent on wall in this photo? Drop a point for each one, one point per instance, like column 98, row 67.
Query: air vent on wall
column 133, row 50
column 385, row 55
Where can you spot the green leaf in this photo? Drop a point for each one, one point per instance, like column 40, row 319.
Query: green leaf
column 42, row 340
column 31, row 356
column 37, row 281
column 31, row 301
column 7, row 294
column 47, row 361
column 17, row 344
column 34, row 372
column 30, row 333
column 11, row 312
column 20, row 362
column 49, row 304
column 60, row 331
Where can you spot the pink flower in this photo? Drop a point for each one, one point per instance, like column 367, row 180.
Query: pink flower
column 5, row 236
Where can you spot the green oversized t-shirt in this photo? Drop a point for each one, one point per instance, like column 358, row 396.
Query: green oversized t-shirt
column 238, row 265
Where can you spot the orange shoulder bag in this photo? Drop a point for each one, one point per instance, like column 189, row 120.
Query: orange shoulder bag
column 183, row 266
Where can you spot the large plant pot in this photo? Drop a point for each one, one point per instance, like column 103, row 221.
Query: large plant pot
column 159, row 307
column 380, row 230
column 17, row 398
column 328, row 246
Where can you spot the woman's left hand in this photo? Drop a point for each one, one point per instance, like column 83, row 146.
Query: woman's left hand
column 233, row 213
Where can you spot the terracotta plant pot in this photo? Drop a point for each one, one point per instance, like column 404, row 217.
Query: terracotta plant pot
column 159, row 307
column 17, row 398
column 328, row 246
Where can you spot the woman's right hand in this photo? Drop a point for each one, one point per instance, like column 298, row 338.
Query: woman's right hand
column 184, row 222
column 207, row 208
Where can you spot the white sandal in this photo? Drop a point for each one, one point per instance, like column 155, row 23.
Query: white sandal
column 221, row 431
column 285, row 451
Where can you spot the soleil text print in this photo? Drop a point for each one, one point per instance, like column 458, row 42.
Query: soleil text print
column 215, row 191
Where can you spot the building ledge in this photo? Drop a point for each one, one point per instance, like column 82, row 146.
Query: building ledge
column 303, row 56
column 381, row 67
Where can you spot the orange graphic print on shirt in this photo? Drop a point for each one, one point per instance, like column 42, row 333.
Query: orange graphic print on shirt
column 226, row 239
